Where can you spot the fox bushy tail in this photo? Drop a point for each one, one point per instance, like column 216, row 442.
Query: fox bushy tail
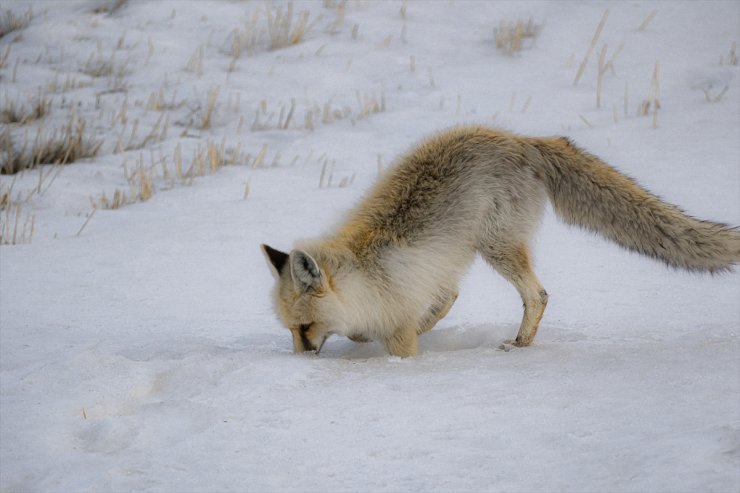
column 587, row 192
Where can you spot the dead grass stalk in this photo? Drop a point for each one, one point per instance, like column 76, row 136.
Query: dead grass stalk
column 10, row 22
column 591, row 47
column 58, row 146
column 510, row 36
column 282, row 28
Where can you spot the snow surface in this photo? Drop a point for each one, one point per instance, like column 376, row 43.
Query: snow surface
column 143, row 353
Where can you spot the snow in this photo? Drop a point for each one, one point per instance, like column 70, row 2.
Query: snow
column 142, row 354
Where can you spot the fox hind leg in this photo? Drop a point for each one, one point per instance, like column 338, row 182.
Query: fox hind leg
column 513, row 263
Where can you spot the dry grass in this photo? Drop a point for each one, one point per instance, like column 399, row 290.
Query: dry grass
column 115, row 71
column 386, row 42
column 315, row 114
column 731, row 58
column 652, row 102
column 211, row 158
column 510, row 36
column 70, row 83
column 202, row 113
column 245, row 40
column 284, row 30
column 15, row 227
column 119, row 200
column 340, row 9
column 604, row 66
column 128, row 141
column 98, row 66
column 591, row 47
column 10, row 22
column 58, row 146
column 143, row 179
column 284, row 119
column 109, row 7
column 195, row 62
column 157, row 101
column 79, row 232
column 22, row 114
column 715, row 98
column 326, row 178
column 45, row 182
column 210, row 107
column 141, row 189
column 369, row 105
column 647, row 20
column 247, row 188
column 5, row 193
column 4, row 55
column 330, row 115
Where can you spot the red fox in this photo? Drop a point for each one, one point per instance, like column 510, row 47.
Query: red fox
column 390, row 271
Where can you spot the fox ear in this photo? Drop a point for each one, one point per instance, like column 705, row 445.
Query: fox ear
column 275, row 258
column 305, row 272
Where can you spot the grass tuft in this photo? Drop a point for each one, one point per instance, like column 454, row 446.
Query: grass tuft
column 109, row 7
column 510, row 36
column 284, row 30
column 195, row 62
column 19, row 114
column 157, row 101
column 731, row 58
column 115, row 72
column 59, row 146
column 245, row 40
column 340, row 10
column 210, row 107
column 143, row 180
column 15, row 227
column 70, row 83
column 4, row 55
column 10, row 22
column 130, row 141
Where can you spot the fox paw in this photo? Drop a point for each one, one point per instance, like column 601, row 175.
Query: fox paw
column 510, row 344
column 507, row 345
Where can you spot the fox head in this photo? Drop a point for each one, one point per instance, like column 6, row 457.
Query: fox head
column 303, row 297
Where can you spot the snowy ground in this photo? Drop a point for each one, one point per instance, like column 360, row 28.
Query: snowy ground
column 142, row 354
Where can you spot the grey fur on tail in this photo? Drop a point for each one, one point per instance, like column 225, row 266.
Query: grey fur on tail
column 589, row 193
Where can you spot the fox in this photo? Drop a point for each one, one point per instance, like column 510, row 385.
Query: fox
column 390, row 270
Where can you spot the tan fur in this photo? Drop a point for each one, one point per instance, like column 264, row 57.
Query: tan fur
column 391, row 269
column 437, row 312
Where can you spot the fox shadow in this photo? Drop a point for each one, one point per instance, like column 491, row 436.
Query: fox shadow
column 440, row 339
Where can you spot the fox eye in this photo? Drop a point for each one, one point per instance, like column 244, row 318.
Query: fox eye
column 304, row 328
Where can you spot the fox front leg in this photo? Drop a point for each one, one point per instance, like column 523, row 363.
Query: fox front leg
column 402, row 342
